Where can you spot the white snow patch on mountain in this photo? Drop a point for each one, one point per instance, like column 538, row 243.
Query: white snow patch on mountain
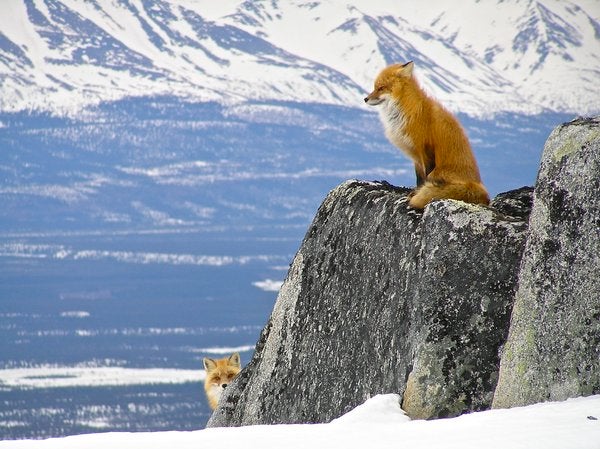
column 268, row 285
column 84, row 376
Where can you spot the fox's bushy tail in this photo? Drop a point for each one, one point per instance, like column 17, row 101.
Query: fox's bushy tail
column 469, row 192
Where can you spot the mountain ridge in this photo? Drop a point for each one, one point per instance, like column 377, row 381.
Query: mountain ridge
column 513, row 56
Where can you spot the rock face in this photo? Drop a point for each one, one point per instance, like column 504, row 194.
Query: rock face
column 553, row 350
column 381, row 299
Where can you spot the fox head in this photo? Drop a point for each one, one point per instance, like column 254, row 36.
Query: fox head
column 220, row 372
column 391, row 78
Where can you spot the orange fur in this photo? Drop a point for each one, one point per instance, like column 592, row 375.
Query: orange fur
column 219, row 373
column 430, row 135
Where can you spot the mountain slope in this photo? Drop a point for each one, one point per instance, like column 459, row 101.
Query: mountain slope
column 517, row 56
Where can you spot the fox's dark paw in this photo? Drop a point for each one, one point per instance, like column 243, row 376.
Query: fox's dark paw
column 412, row 193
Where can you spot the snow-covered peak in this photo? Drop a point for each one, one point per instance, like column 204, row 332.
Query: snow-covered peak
column 512, row 55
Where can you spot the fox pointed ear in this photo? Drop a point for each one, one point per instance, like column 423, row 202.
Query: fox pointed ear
column 209, row 364
column 407, row 69
column 234, row 359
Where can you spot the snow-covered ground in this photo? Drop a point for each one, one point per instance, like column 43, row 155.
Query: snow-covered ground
column 378, row 423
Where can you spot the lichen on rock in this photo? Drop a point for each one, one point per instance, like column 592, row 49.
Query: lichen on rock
column 553, row 350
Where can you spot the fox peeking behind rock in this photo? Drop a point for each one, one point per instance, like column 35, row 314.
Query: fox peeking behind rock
column 219, row 373
column 430, row 135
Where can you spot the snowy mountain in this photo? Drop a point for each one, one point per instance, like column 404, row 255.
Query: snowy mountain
column 512, row 56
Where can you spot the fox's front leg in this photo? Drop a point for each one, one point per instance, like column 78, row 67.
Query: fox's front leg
column 420, row 175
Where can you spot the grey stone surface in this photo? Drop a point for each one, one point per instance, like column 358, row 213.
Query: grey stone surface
column 553, row 349
column 383, row 299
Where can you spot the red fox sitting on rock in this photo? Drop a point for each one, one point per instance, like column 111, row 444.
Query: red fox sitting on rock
column 430, row 135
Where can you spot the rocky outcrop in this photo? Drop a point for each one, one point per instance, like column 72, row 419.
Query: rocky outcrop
column 381, row 299
column 553, row 350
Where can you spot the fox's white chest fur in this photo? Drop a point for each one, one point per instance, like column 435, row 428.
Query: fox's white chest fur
column 215, row 391
column 394, row 123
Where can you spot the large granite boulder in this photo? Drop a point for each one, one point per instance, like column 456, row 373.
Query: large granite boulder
column 383, row 299
column 553, row 350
